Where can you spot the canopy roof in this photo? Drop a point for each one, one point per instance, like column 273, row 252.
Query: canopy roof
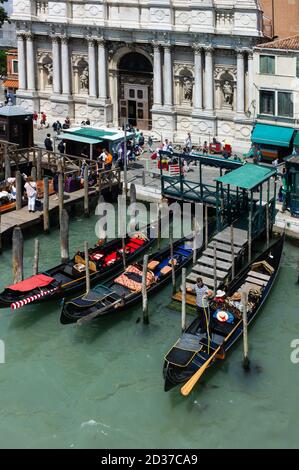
column 79, row 138
column 12, row 110
column 97, row 133
column 272, row 135
column 296, row 140
column 247, row 176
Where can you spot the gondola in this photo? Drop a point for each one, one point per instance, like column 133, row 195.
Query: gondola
column 125, row 290
column 195, row 351
column 69, row 278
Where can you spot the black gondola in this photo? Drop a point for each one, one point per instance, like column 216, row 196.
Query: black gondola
column 192, row 353
column 125, row 290
column 69, row 278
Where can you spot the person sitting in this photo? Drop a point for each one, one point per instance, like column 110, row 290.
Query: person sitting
column 220, row 296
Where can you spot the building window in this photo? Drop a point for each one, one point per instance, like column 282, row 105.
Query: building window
column 285, row 104
column 15, row 67
column 267, row 102
column 267, row 64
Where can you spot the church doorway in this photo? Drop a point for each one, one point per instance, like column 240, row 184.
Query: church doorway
column 136, row 90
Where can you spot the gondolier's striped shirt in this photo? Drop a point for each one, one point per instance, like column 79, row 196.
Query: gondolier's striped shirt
column 201, row 299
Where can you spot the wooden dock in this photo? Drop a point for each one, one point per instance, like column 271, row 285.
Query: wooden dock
column 204, row 267
column 25, row 219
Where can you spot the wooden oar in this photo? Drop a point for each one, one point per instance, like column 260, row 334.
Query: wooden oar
column 186, row 389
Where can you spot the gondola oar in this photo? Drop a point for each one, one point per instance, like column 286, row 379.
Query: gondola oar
column 95, row 314
column 186, row 389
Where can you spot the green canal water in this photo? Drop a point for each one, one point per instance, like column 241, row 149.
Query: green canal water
column 100, row 386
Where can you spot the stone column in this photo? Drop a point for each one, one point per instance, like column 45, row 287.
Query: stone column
column 56, row 65
column 30, row 60
column 22, row 62
column 92, row 68
column 209, row 79
column 240, row 83
column 102, row 70
column 157, row 76
column 65, row 61
column 197, row 78
column 168, row 77
column 250, row 81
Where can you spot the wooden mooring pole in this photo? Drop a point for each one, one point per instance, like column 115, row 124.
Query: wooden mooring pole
column 249, row 236
column 0, row 237
column 215, row 266
column 64, row 236
column 232, row 250
column 36, row 256
column 194, row 241
column 87, row 267
column 39, row 165
column 46, row 216
column 267, row 225
column 246, row 362
column 144, row 291
column 86, row 199
column 17, row 255
column 172, row 263
column 184, row 299
column 18, row 191
column 34, row 173
column 6, row 162
column 206, row 227
column 159, row 226
column 60, row 194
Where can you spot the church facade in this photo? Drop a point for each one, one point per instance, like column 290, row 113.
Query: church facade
column 173, row 66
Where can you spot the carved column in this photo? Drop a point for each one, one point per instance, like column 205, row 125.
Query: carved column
column 30, row 60
column 197, row 78
column 102, row 69
column 168, row 77
column 22, row 62
column 157, row 76
column 250, row 81
column 240, row 83
column 56, row 65
column 65, row 60
column 209, row 79
column 92, row 68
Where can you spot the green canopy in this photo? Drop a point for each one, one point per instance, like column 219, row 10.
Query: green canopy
column 247, row 176
column 79, row 138
column 296, row 140
column 272, row 135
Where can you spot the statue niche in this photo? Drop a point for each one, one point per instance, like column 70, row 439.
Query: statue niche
column 186, row 87
column 227, row 87
column 45, row 72
column 80, row 75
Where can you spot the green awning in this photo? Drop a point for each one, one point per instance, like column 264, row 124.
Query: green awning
column 79, row 138
column 103, row 134
column 247, row 176
column 296, row 140
column 272, row 135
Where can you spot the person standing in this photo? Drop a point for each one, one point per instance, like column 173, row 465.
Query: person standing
column 61, row 146
column 30, row 188
column 48, row 143
column 202, row 293
column 188, row 143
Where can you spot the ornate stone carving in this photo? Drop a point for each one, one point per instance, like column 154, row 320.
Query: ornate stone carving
column 84, row 78
column 228, row 91
column 187, row 88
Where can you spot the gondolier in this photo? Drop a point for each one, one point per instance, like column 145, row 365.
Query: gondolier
column 203, row 293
